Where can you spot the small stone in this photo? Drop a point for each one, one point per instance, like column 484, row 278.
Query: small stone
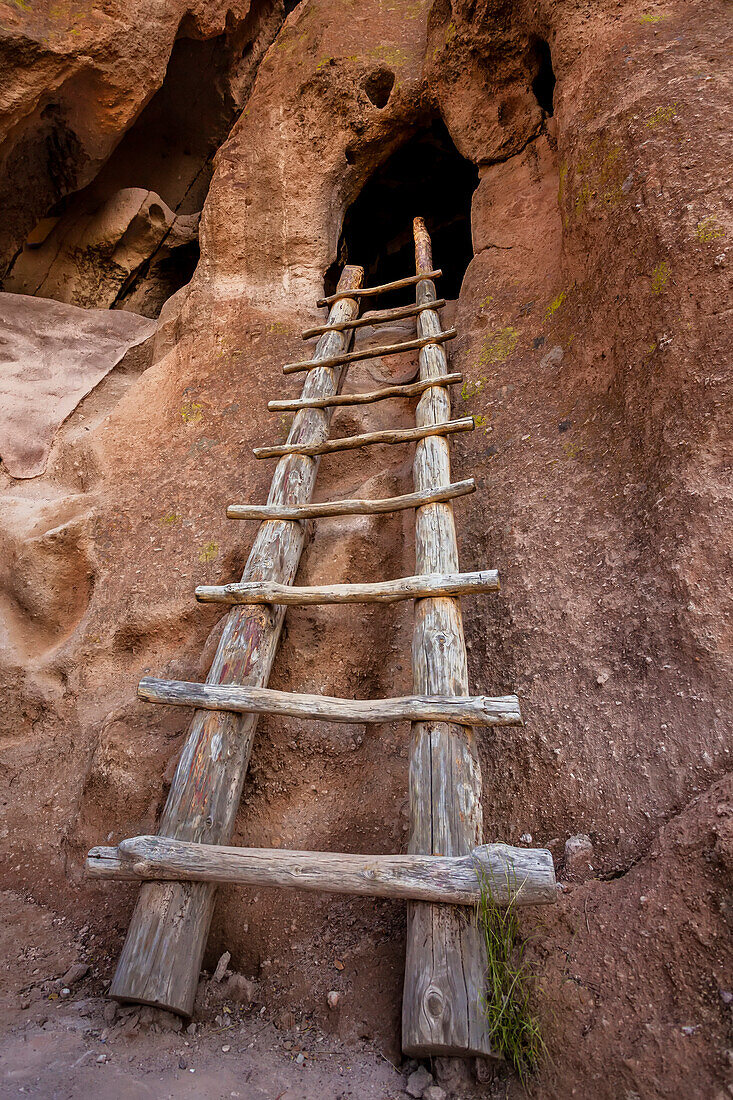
column 525, row 838
column 65, row 991
column 221, row 967
column 169, row 1021
column 434, row 1092
column 101, row 1058
column 226, row 1048
column 130, row 1026
column 726, row 996
column 240, row 989
column 338, row 964
column 333, row 999
column 191, row 1029
column 75, row 974
column 182, row 1063
column 418, row 1081
column 579, row 857
column 300, row 1059
column 109, row 1012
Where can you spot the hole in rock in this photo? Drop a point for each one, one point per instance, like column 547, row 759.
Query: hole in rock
column 378, row 86
column 543, row 84
column 428, row 177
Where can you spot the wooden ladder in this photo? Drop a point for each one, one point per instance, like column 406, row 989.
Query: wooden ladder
column 446, row 861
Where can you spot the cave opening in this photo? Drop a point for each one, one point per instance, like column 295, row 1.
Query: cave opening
column 129, row 239
column 378, row 87
column 428, row 177
column 543, row 84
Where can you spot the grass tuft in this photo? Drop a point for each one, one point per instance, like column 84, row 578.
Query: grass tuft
column 514, row 1030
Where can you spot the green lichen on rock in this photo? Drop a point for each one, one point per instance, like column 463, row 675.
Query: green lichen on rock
column 709, row 229
column 498, row 345
column 391, row 55
column 555, row 305
column 661, row 116
column 660, row 277
column 599, row 173
column 191, row 412
column 208, row 553
column 472, row 389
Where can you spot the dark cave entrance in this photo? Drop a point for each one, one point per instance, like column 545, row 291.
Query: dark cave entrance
column 428, row 177
column 543, row 84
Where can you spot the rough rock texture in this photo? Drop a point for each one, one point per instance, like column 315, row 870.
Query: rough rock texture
column 592, row 339
column 92, row 255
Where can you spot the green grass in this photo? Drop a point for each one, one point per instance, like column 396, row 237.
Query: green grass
column 514, row 1030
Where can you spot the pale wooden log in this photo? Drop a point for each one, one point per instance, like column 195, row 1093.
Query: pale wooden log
column 477, row 710
column 161, row 958
column 524, row 876
column 445, row 964
column 402, row 588
column 352, row 442
column 375, row 353
column 350, row 507
column 374, row 291
column 411, row 389
column 378, row 317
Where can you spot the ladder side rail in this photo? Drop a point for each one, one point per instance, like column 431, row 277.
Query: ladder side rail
column 161, row 957
column 445, row 964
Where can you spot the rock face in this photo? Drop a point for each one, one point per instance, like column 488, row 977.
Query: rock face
column 592, row 348
column 92, row 257
column 51, row 357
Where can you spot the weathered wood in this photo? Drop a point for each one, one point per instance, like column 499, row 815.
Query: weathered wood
column 445, row 964
column 411, row 389
column 403, row 588
column 350, row 507
column 161, row 958
column 378, row 317
column 374, row 291
column 438, row 337
column 477, row 710
column 352, row 442
column 525, row 876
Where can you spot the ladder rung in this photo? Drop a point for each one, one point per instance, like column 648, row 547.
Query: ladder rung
column 372, row 291
column 524, row 876
column 409, row 390
column 472, row 710
column 350, row 442
column 351, row 507
column 379, row 317
column 370, row 353
column 403, row 588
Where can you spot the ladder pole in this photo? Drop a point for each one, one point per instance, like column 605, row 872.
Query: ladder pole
column 444, row 971
column 161, row 957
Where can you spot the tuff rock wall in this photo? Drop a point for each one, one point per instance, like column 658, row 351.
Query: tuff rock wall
column 592, row 338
